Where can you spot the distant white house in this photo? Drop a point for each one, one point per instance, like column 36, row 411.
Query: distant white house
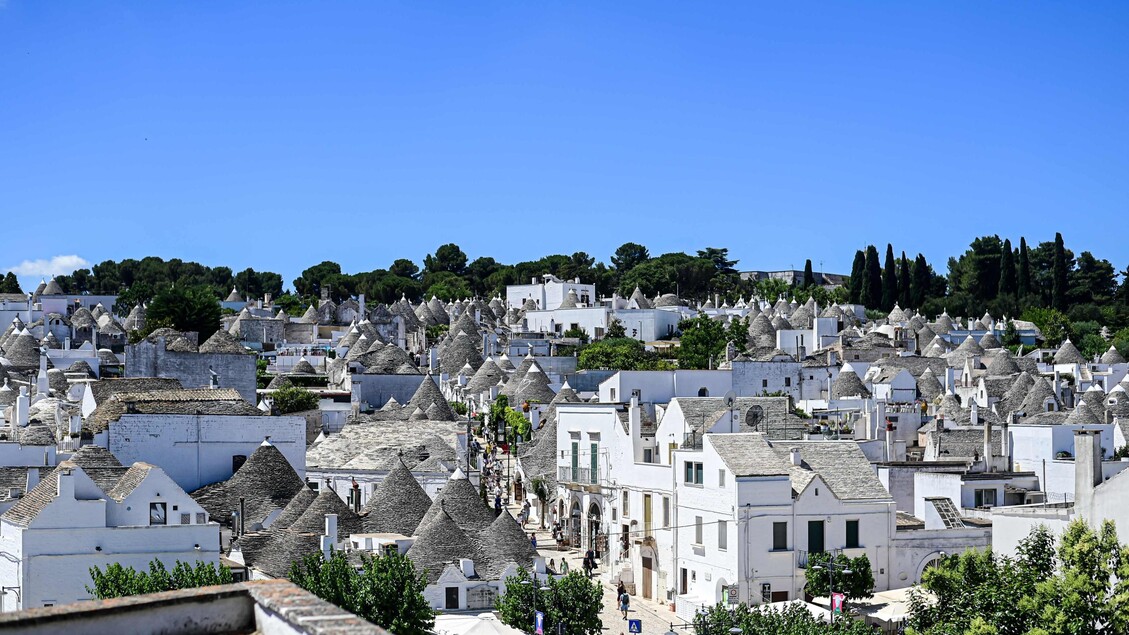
column 77, row 518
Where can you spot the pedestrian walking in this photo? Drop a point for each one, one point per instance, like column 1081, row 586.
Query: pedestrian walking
column 624, row 602
column 533, row 540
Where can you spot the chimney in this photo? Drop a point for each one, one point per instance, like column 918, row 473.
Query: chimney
column 1005, row 440
column 356, row 497
column 988, row 467
column 32, row 479
column 23, row 402
column 1057, row 386
column 66, row 485
column 796, row 460
column 331, row 527
column 75, row 425
column 361, row 304
column 67, row 343
column 1087, row 469
column 899, row 450
column 466, row 565
column 268, row 300
column 242, row 516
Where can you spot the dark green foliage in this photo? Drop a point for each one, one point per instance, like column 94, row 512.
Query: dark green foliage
column 628, row 256
column 577, row 333
column 386, row 591
column 615, row 330
column 1081, row 588
column 294, row 399
column 809, row 276
column 118, row 581
column 254, row 284
column 10, row 284
column 186, row 309
column 793, row 619
column 857, row 584
column 620, row 353
column 573, row 600
column 904, row 282
column 872, row 280
column 858, row 278
column 889, row 280
column 1055, row 326
column 1007, row 269
column 448, row 258
column 1023, row 276
column 1060, row 272
column 703, row 341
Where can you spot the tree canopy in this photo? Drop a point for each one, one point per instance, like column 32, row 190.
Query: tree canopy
column 572, row 601
column 117, row 581
column 186, row 309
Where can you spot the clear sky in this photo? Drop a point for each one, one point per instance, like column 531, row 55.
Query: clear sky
column 279, row 134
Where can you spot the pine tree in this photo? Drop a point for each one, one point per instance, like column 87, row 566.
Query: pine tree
column 919, row 288
column 809, row 277
column 858, row 274
column 872, row 283
column 10, row 284
column 1058, row 281
column 1023, row 281
column 904, row 282
column 889, row 280
column 1007, row 269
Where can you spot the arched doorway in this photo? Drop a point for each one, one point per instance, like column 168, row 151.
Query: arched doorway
column 574, row 524
column 593, row 540
column 650, row 563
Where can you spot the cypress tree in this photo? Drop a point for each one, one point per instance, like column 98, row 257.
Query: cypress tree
column 809, row 277
column 1058, row 282
column 855, row 284
column 889, row 280
column 1007, row 269
column 872, row 280
column 1023, row 281
column 904, row 282
column 919, row 289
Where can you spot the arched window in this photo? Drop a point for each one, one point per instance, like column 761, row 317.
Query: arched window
column 753, row 417
column 703, row 392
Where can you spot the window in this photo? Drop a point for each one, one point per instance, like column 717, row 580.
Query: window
column 787, row 381
column 703, row 392
column 722, row 535
column 613, row 395
column 764, row 383
column 780, row 536
column 693, row 475
column 186, row 519
column 626, row 504
column 852, row 534
column 237, row 462
column 985, row 498
column 666, row 512
column 157, row 514
column 648, row 455
column 200, row 518
column 697, row 530
column 721, row 478
column 766, row 592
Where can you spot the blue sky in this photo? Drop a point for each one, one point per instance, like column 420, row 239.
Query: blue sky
column 279, row 134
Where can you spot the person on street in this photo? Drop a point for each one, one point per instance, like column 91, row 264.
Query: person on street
column 624, row 601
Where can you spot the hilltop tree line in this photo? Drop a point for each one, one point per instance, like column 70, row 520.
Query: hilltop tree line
column 992, row 275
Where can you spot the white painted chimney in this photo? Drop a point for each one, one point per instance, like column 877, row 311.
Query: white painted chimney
column 23, row 402
column 66, row 485
column 796, row 459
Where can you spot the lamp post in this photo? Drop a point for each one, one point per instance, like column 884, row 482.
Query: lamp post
column 831, row 566
column 541, row 588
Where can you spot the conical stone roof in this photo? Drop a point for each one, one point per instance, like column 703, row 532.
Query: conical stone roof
column 441, row 542
column 427, row 394
column 1112, row 356
column 461, row 500
column 462, row 351
column 504, row 543
column 989, row 341
column 1068, row 353
column 848, row 385
column 267, row 482
column 1002, row 364
column 327, row 501
column 484, row 378
column 928, row 386
column 295, row 508
column 398, row 504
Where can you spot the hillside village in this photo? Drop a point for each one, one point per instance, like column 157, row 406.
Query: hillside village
column 816, row 429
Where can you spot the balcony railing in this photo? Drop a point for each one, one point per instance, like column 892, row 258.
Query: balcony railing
column 802, row 556
column 582, row 475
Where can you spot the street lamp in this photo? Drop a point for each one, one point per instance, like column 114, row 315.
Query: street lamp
column 831, row 566
column 541, row 588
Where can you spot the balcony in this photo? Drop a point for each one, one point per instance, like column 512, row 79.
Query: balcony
column 802, row 556
column 579, row 475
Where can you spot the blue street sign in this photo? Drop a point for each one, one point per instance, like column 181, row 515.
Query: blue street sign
column 539, row 623
column 635, row 626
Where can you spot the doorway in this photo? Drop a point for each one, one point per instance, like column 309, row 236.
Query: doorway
column 648, row 571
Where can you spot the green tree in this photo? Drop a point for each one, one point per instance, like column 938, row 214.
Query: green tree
column 404, row 268
column 1092, row 281
column 628, row 256
column 294, row 399
column 1007, row 283
column 920, row 286
column 872, row 284
column 793, row 619
column 572, row 601
column 1023, row 276
column 314, row 278
column 448, row 258
column 904, row 282
column 186, row 309
column 10, row 284
column 857, row 280
column 702, row 342
column 620, row 353
column 446, row 286
column 1061, row 272
column 1054, row 325
column 809, row 276
column 857, row 584
column 889, row 280
column 615, row 330
column 387, row 590
column 117, row 581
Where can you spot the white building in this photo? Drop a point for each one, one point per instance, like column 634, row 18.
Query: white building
column 550, row 292
column 80, row 517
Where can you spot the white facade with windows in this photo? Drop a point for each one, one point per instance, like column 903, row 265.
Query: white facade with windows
column 550, row 292
column 69, row 523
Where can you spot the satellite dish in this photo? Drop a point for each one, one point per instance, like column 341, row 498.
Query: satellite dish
column 730, row 399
